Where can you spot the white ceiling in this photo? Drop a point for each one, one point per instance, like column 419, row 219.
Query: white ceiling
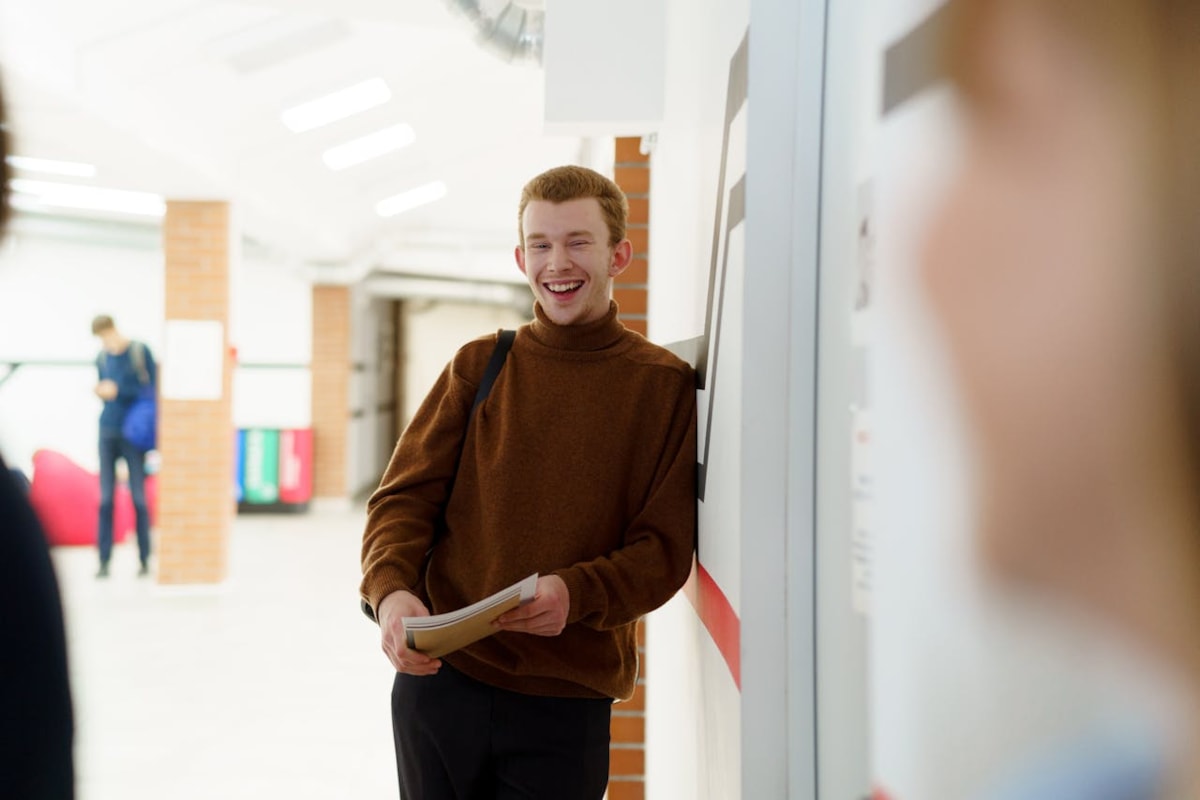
column 183, row 98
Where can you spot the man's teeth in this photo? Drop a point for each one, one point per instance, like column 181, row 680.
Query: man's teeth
column 560, row 288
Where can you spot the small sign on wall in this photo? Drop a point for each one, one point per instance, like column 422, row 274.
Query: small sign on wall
column 862, row 485
column 862, row 478
column 193, row 365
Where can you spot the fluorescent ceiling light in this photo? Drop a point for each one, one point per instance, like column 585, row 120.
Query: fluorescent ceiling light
column 406, row 201
column 373, row 145
column 30, row 193
column 338, row 105
column 74, row 169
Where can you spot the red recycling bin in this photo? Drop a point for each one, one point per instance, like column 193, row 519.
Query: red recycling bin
column 295, row 465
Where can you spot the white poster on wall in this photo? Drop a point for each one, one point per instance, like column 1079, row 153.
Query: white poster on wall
column 193, row 363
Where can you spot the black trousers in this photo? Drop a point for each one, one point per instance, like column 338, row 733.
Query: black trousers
column 458, row 739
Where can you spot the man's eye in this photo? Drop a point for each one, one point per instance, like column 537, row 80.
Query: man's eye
column 580, row 243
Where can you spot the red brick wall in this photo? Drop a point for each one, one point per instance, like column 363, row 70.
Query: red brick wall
column 195, row 437
column 632, row 174
column 331, row 366
column 627, row 753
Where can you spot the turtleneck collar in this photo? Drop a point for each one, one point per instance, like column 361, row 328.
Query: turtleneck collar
column 598, row 335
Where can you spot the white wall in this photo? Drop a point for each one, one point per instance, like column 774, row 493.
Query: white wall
column 270, row 326
column 701, row 38
column 777, row 523
column 693, row 717
column 50, row 289
column 845, row 337
column 55, row 278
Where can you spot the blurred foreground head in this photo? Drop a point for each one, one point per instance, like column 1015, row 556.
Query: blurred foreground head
column 1065, row 271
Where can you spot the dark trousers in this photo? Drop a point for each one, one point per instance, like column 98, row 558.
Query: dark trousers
column 458, row 739
column 112, row 447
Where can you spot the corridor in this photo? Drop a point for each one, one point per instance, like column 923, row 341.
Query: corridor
column 269, row 686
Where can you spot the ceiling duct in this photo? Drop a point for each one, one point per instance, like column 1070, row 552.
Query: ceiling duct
column 507, row 29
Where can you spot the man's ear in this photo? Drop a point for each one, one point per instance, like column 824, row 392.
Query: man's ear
column 519, row 255
column 622, row 257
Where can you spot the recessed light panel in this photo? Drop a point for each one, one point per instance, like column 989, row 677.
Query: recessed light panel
column 337, row 105
column 50, row 166
column 365, row 148
column 406, row 201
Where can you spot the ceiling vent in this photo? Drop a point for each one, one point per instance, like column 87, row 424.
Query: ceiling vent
column 512, row 31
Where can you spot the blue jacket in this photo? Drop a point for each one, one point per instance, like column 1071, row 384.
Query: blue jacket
column 123, row 369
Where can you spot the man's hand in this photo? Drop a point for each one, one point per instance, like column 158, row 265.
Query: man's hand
column 106, row 390
column 545, row 615
column 390, row 613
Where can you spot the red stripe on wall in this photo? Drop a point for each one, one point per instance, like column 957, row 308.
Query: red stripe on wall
column 718, row 616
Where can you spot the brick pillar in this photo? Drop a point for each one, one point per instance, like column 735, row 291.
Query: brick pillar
column 330, row 389
column 632, row 174
column 627, row 753
column 195, row 436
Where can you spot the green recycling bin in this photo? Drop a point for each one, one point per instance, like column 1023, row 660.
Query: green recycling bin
column 260, row 481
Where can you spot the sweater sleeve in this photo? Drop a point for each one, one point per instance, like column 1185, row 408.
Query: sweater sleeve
column 658, row 547
column 403, row 512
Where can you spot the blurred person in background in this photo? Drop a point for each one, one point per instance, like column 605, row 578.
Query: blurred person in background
column 36, row 719
column 126, row 370
column 1064, row 270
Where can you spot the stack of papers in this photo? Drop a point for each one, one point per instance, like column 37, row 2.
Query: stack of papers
column 444, row 633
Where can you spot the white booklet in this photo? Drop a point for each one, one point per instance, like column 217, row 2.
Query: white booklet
column 440, row 634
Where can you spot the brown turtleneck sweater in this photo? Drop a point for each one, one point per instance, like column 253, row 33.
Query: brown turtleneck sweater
column 581, row 463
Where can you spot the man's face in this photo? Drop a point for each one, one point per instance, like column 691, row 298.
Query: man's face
column 110, row 340
column 568, row 261
column 1039, row 271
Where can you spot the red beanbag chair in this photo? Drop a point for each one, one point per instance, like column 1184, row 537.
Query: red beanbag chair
column 66, row 498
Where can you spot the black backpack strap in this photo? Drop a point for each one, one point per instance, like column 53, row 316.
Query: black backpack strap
column 504, row 343
column 137, row 357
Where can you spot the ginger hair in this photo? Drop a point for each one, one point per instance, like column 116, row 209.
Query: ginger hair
column 562, row 184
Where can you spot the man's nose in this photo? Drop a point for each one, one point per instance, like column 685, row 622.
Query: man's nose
column 558, row 259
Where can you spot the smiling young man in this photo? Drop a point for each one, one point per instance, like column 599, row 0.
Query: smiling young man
column 580, row 466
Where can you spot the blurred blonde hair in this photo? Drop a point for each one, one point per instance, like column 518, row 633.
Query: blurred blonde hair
column 1150, row 50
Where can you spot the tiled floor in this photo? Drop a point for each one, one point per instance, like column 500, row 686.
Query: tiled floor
column 270, row 686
